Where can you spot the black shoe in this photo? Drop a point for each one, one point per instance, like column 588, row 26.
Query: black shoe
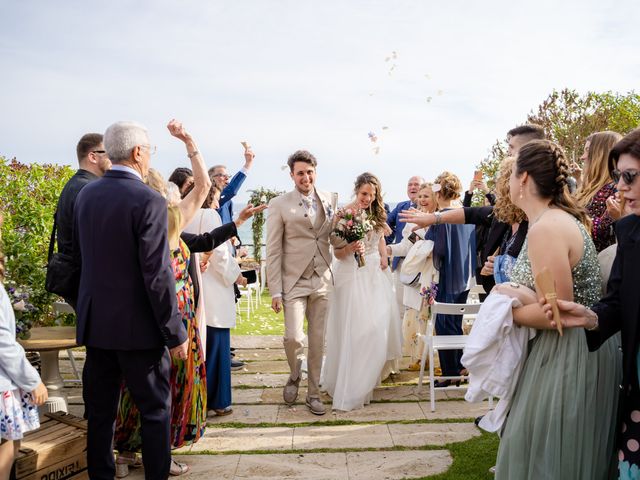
column 236, row 365
column 477, row 420
column 445, row 383
column 232, row 349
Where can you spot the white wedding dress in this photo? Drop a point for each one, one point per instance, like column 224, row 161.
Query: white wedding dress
column 362, row 329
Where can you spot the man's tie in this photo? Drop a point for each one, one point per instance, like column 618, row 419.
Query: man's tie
column 309, row 205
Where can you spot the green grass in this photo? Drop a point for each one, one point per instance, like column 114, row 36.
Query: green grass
column 263, row 320
column 471, row 459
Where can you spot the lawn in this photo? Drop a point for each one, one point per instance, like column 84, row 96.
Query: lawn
column 263, row 320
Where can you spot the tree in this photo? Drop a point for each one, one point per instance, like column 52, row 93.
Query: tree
column 258, row 196
column 28, row 198
column 568, row 118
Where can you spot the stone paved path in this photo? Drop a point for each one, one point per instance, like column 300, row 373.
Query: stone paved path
column 395, row 437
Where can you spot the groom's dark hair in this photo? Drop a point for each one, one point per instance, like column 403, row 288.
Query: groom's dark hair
column 301, row 156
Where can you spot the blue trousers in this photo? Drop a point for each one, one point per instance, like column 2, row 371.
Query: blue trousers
column 450, row 325
column 218, row 365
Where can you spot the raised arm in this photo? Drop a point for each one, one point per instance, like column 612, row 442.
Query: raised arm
column 190, row 204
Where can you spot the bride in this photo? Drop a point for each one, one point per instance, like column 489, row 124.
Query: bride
column 362, row 331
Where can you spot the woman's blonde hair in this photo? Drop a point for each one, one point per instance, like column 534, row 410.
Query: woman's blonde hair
column 155, row 181
column 597, row 175
column 429, row 186
column 174, row 218
column 450, row 185
column 504, row 210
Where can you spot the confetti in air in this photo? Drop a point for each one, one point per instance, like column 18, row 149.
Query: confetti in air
column 440, row 92
column 429, row 99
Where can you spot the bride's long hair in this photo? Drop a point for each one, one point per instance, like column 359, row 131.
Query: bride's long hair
column 376, row 210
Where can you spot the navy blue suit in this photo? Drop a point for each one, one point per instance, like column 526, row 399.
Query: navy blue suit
column 231, row 190
column 126, row 315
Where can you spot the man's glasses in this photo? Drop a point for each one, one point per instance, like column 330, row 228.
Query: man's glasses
column 152, row 149
column 221, row 175
column 98, row 151
column 628, row 176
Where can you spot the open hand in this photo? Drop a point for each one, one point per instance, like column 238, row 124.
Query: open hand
column 422, row 220
column 571, row 314
column 248, row 211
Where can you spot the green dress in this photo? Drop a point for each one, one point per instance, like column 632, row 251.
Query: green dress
column 562, row 419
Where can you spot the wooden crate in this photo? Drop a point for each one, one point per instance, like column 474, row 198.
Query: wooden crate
column 56, row 451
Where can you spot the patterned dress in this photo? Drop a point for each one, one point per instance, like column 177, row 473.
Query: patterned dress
column 188, row 377
column 602, row 228
column 562, row 419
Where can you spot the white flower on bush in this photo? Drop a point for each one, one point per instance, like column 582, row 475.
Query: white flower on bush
column 20, row 306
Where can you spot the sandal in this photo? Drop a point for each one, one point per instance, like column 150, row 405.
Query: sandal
column 124, row 460
column 178, row 468
column 221, row 412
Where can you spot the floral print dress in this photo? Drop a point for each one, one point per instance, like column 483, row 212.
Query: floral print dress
column 188, row 377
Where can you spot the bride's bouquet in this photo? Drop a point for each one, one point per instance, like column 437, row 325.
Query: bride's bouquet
column 352, row 225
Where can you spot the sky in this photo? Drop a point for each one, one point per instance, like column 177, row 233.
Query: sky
column 287, row 75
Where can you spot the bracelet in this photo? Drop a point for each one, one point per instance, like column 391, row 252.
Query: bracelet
column 595, row 325
column 192, row 154
column 438, row 216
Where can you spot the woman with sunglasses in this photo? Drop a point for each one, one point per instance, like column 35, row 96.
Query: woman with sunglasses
column 619, row 310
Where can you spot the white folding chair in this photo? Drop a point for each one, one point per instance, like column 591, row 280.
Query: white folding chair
column 433, row 342
column 246, row 302
column 59, row 308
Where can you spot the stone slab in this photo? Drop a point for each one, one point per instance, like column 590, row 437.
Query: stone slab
column 308, row 466
column 397, row 465
column 299, row 413
column 256, row 341
column 342, row 436
column 383, row 411
column 259, row 354
column 242, row 439
column 454, row 409
column 241, row 396
column 419, row 435
column 269, row 366
column 203, row 467
column 248, row 414
column 259, row 379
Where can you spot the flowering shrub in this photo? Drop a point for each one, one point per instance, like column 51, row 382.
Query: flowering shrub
column 19, row 297
column 28, row 199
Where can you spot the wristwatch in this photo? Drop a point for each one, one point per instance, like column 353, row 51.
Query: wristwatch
column 438, row 216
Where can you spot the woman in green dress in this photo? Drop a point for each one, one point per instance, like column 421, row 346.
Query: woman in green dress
column 562, row 417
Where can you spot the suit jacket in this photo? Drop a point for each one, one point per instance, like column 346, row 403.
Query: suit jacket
column 127, row 295
column 231, row 190
column 65, row 209
column 397, row 226
column 292, row 239
column 619, row 310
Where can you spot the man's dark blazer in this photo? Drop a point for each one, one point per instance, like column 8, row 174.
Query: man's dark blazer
column 127, row 295
column 619, row 310
column 65, row 209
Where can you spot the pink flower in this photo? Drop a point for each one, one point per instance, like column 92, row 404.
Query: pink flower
column 350, row 223
column 348, row 211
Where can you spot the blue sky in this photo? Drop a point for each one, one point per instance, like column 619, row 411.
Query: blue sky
column 285, row 75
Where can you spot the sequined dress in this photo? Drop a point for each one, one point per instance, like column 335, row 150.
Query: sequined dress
column 562, row 419
column 188, row 377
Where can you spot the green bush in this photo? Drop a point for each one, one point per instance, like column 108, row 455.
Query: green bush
column 28, row 198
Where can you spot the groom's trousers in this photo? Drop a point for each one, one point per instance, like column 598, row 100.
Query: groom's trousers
column 308, row 298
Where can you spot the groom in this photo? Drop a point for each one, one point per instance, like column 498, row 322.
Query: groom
column 298, row 271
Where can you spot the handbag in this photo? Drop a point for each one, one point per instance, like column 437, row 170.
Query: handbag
column 414, row 262
column 63, row 274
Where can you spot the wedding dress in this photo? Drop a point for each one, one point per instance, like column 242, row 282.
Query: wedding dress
column 362, row 329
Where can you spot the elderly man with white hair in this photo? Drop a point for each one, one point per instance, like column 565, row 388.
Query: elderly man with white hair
column 126, row 312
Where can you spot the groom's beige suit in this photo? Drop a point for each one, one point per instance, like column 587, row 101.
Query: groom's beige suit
column 299, row 269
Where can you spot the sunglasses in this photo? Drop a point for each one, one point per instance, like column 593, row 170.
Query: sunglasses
column 628, row 176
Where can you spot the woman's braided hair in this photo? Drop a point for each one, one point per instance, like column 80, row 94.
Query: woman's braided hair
column 547, row 165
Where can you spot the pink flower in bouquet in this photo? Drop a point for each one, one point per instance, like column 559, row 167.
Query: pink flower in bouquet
column 348, row 211
column 350, row 223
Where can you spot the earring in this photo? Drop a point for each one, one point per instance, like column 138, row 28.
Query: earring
column 521, row 190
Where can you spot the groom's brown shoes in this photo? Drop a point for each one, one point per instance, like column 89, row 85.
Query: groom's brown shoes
column 315, row 406
column 290, row 392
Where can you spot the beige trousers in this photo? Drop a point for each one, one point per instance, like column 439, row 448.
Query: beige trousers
column 309, row 298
